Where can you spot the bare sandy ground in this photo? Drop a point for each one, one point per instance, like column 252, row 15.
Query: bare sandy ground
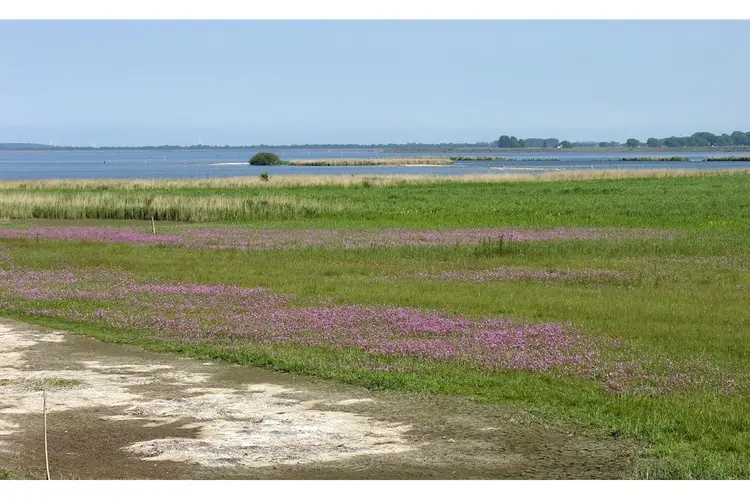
column 117, row 411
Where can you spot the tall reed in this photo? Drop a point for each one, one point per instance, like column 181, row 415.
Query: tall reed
column 162, row 207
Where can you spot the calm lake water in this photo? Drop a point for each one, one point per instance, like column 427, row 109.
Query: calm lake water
column 108, row 164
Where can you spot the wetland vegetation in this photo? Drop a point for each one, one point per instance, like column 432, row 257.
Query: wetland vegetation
column 617, row 301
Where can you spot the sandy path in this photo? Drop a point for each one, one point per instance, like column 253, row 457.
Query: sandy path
column 120, row 412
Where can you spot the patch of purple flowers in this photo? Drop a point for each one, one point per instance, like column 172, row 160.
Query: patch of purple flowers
column 235, row 317
column 98, row 234
column 270, row 239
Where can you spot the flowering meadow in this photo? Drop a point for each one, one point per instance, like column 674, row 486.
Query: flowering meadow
column 620, row 305
column 274, row 239
column 236, row 317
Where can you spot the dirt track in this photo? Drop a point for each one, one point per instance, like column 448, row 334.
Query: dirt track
column 119, row 412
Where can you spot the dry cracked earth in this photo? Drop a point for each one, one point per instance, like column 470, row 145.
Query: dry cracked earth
column 118, row 412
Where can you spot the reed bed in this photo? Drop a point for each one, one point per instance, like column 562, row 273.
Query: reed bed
column 499, row 158
column 654, row 158
column 478, row 158
column 348, row 180
column 728, row 158
column 163, row 207
column 359, row 162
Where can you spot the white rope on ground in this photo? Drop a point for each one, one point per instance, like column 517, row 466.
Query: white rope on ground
column 46, row 454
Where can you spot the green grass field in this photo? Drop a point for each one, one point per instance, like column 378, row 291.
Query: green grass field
column 682, row 298
column 676, row 199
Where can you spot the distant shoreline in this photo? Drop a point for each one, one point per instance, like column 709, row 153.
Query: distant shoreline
column 500, row 151
column 494, row 150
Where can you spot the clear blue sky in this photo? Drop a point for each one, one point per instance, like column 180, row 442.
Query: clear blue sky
column 251, row 82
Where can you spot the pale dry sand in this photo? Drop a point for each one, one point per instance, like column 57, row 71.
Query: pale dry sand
column 253, row 425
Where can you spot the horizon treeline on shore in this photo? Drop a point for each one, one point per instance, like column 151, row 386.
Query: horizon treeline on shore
column 698, row 139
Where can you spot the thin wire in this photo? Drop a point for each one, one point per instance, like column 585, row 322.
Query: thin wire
column 46, row 454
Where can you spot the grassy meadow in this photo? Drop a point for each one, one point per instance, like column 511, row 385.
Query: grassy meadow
column 617, row 301
column 653, row 198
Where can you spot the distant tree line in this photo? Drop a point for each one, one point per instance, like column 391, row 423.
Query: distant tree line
column 410, row 145
column 697, row 140
column 22, row 145
column 514, row 142
column 535, row 142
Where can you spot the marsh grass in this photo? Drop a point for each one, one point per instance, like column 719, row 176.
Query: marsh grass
column 354, row 181
column 728, row 158
column 477, row 158
column 360, row 162
column 686, row 297
column 662, row 198
column 490, row 246
column 500, row 158
column 162, row 207
column 654, row 158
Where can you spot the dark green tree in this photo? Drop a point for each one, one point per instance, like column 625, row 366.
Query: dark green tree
column 265, row 159
column 508, row 142
column 652, row 142
column 724, row 140
column 632, row 143
column 702, row 139
column 533, row 142
column 676, row 142
column 566, row 144
column 740, row 138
